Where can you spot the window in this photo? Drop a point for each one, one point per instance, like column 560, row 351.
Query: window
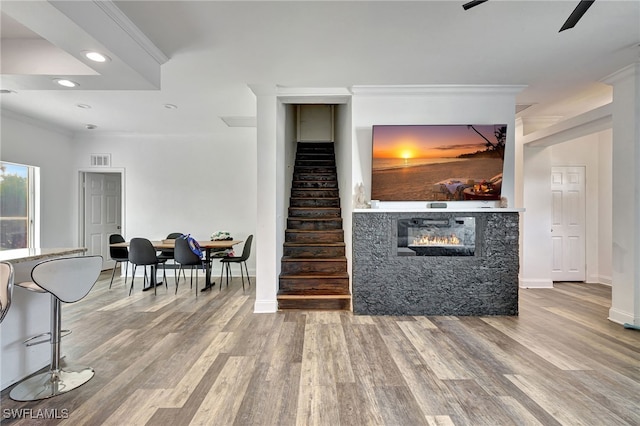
column 17, row 206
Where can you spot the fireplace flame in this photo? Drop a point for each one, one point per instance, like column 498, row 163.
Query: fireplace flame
column 437, row 240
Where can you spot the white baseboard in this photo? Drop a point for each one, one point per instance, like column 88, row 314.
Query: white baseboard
column 622, row 317
column 535, row 283
column 265, row 306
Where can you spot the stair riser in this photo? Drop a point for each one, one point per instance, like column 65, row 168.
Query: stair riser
column 313, row 193
column 314, row 251
column 313, row 212
column 300, row 286
column 305, row 176
column 314, row 156
column 314, row 202
column 314, row 169
column 296, row 267
column 322, row 147
column 314, row 184
column 315, row 305
column 337, row 236
column 314, row 225
column 315, row 163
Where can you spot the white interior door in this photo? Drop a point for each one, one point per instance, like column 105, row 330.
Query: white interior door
column 102, row 213
column 568, row 223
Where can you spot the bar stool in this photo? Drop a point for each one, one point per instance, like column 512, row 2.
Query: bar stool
column 68, row 280
column 6, row 288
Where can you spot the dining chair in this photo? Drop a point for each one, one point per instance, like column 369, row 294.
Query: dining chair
column 142, row 252
column 119, row 254
column 68, row 280
column 168, row 254
column 186, row 257
column 6, row 288
column 242, row 259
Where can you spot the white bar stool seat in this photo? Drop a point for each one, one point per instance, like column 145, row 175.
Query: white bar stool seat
column 6, row 288
column 68, row 280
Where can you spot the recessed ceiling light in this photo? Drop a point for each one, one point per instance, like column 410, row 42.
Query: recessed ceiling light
column 96, row 56
column 170, row 106
column 7, row 91
column 90, row 126
column 66, row 83
column 83, row 106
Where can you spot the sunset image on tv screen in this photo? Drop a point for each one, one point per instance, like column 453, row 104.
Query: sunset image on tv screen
column 437, row 162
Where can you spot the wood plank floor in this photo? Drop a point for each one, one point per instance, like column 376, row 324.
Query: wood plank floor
column 177, row 360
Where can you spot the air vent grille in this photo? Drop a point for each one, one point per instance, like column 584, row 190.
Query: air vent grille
column 100, row 160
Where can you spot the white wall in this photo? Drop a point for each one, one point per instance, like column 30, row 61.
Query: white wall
column 32, row 143
column 605, row 206
column 535, row 266
column 191, row 184
column 344, row 165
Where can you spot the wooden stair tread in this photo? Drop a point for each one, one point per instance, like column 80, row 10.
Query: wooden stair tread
column 317, row 259
column 310, row 219
column 313, row 230
column 291, row 244
column 315, row 296
column 316, row 275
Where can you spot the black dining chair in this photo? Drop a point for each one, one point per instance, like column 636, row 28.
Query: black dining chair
column 142, row 252
column 168, row 254
column 119, row 254
column 242, row 259
column 186, row 257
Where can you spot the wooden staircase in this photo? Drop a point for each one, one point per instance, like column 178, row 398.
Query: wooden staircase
column 314, row 266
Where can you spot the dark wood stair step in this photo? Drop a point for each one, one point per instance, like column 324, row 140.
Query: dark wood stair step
column 314, row 202
column 314, row 284
column 315, row 163
column 313, row 266
column 315, row 169
column 311, row 236
column 314, row 184
column 314, row 176
column 315, row 302
column 315, row 212
column 311, row 224
column 320, row 155
column 314, row 192
column 314, row 250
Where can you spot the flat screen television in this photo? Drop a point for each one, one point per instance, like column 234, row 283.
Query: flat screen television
column 437, row 162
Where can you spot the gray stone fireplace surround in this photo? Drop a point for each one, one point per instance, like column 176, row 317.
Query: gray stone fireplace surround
column 385, row 283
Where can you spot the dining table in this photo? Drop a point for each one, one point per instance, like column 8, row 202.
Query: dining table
column 209, row 247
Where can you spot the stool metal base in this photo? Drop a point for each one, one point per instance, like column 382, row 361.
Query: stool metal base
column 50, row 384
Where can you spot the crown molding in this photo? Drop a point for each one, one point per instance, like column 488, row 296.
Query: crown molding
column 113, row 12
column 436, row 89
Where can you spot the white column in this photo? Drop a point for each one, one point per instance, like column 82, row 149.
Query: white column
column 535, row 269
column 267, row 215
column 625, row 301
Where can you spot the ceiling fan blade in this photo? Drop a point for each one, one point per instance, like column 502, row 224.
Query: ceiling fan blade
column 471, row 4
column 577, row 13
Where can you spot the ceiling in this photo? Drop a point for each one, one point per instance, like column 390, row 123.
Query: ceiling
column 201, row 56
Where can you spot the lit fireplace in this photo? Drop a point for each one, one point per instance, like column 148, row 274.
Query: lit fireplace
column 435, row 240
column 437, row 237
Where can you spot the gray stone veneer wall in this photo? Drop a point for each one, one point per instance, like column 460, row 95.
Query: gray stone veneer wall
column 387, row 284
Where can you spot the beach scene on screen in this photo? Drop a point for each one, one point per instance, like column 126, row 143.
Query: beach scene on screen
column 437, row 162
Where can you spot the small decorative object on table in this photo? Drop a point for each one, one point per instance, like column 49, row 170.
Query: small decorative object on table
column 221, row 236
